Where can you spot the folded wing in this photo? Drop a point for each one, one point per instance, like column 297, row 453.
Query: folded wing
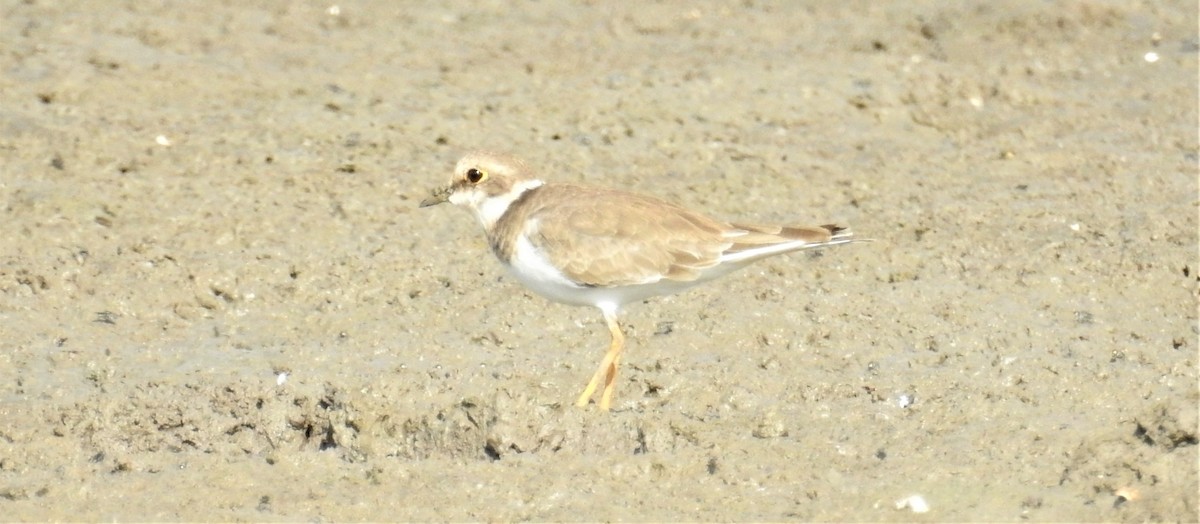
column 616, row 238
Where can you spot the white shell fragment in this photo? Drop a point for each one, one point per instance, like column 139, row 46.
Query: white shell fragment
column 916, row 503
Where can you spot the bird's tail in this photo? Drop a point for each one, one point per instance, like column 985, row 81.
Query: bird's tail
column 752, row 242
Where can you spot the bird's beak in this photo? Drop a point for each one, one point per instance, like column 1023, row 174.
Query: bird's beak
column 437, row 196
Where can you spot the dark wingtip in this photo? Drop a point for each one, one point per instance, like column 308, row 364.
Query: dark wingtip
column 837, row 232
column 834, row 229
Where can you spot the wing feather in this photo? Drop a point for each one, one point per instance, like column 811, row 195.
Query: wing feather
column 606, row 238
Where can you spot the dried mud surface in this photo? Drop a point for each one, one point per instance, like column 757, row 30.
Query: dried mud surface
column 198, row 201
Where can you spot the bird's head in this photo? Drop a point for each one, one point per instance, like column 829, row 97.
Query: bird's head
column 487, row 183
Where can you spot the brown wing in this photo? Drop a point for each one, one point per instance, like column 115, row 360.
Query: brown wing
column 609, row 238
column 763, row 235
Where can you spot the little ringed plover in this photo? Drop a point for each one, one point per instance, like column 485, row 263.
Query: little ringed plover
column 590, row 246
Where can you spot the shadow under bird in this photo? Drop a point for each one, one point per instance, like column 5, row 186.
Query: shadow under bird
column 592, row 246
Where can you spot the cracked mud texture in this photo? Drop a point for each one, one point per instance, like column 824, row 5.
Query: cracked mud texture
column 197, row 201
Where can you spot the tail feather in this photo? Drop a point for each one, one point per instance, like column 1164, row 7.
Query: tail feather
column 752, row 242
column 837, row 232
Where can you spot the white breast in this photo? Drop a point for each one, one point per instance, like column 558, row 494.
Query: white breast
column 536, row 272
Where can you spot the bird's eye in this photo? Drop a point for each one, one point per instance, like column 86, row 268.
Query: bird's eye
column 476, row 176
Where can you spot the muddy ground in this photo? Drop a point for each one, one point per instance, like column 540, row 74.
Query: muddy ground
column 219, row 301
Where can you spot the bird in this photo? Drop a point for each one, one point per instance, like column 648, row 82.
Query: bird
column 605, row 248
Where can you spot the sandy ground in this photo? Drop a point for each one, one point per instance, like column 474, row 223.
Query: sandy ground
column 196, row 201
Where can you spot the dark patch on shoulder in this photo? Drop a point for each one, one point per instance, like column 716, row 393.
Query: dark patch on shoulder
column 521, row 199
column 501, row 242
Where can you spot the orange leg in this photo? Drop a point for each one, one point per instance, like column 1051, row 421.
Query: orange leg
column 608, row 366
